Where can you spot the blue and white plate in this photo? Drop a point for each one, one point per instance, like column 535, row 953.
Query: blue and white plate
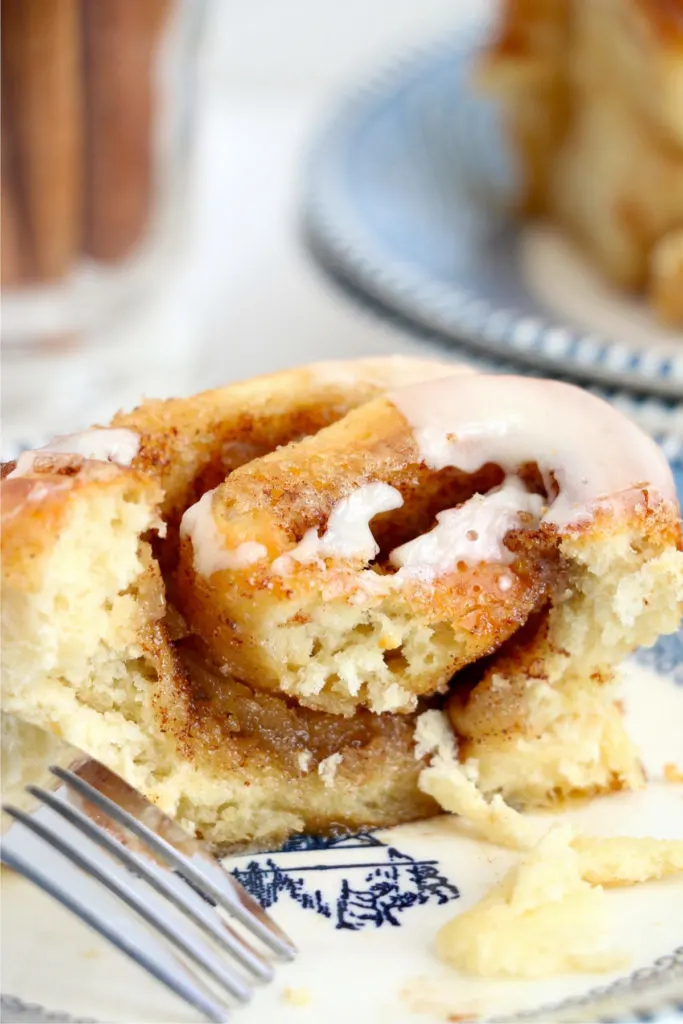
column 407, row 199
column 364, row 911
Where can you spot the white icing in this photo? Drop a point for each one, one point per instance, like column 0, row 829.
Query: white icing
column 594, row 452
column 307, row 550
column 103, row 445
column 209, row 552
column 504, row 582
column 348, row 533
column 38, row 492
column 473, row 533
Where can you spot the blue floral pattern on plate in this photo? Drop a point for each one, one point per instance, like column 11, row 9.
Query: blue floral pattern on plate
column 369, row 893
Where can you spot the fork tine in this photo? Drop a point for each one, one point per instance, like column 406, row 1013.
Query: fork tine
column 240, row 904
column 221, row 932
column 191, row 991
column 230, row 982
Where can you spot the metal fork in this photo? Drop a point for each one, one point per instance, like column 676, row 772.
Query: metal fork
column 216, row 940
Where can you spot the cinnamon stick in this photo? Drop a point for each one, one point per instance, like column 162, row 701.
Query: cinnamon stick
column 42, row 97
column 121, row 39
column 16, row 265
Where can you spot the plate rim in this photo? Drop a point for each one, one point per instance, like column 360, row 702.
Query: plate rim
column 657, row 990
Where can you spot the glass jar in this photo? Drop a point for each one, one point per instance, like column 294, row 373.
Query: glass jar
column 98, row 102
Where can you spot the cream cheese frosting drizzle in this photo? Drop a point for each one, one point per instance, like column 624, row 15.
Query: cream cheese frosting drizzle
column 585, row 450
column 104, row 444
column 594, row 453
column 208, row 549
column 348, row 533
column 472, row 533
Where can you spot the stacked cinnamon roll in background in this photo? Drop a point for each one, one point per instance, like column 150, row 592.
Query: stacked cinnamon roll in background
column 591, row 98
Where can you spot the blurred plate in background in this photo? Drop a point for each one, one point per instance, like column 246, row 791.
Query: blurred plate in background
column 406, row 202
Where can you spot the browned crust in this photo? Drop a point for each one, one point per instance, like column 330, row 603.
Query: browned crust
column 665, row 18
column 35, row 507
column 189, row 445
column 480, row 710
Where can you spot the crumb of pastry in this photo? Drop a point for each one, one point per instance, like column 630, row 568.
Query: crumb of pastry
column 604, row 860
column 543, row 919
column 620, row 860
column 425, row 995
column 327, row 769
column 548, row 915
column 672, row 773
column 297, row 996
column 454, row 788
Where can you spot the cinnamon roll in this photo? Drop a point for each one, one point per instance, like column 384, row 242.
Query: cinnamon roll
column 590, row 97
column 241, row 601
